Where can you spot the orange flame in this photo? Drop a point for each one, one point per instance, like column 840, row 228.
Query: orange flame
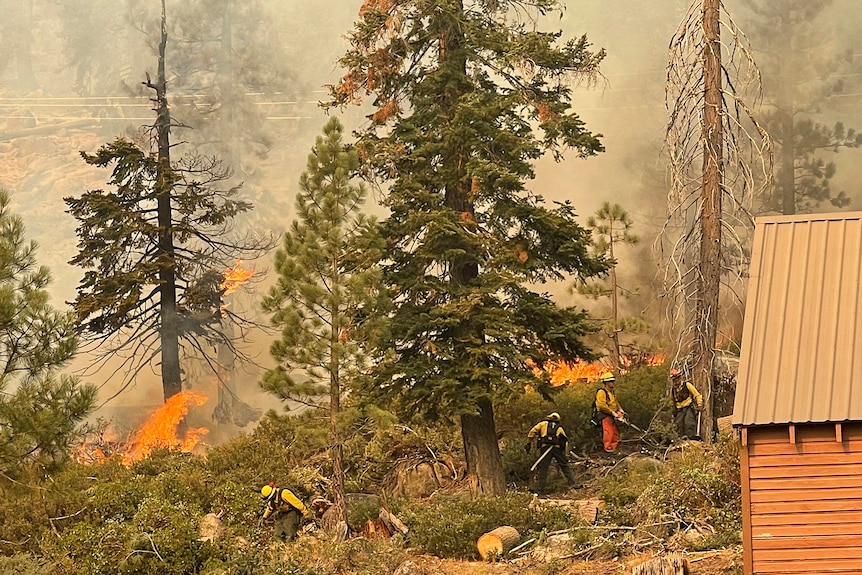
column 235, row 277
column 160, row 430
column 562, row 373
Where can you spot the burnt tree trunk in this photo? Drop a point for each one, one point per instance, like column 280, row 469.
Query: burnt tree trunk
column 169, row 329
column 709, row 276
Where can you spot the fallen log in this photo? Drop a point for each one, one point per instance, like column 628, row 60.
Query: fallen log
column 496, row 542
column 670, row 565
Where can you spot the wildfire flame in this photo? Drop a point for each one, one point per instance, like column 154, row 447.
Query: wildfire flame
column 234, row 277
column 562, row 373
column 160, row 430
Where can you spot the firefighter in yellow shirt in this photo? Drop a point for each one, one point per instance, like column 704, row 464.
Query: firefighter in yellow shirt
column 685, row 400
column 609, row 411
column 552, row 443
column 286, row 509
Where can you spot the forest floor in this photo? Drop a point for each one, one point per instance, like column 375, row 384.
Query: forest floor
column 717, row 562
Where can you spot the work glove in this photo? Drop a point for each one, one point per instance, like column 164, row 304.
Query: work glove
column 527, row 447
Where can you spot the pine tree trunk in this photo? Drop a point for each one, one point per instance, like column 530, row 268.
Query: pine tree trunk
column 22, row 35
column 481, row 451
column 706, row 313
column 485, row 473
column 337, row 450
column 169, row 332
column 787, row 175
column 230, row 149
column 615, row 339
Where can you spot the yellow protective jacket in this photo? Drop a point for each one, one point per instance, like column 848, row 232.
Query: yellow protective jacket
column 540, row 430
column 284, row 500
column 606, row 402
column 685, row 394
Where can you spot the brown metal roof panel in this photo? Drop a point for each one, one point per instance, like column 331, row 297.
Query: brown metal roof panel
column 802, row 336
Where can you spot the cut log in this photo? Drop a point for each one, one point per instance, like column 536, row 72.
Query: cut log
column 670, row 565
column 495, row 543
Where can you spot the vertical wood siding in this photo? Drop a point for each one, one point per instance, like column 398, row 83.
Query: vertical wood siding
column 804, row 499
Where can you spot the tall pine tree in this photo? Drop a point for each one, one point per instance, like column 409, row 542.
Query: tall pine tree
column 800, row 73
column 324, row 291
column 610, row 227
column 149, row 248
column 467, row 94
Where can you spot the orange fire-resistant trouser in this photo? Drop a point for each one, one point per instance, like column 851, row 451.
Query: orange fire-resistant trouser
column 610, row 434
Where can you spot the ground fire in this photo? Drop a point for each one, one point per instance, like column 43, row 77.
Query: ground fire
column 161, row 429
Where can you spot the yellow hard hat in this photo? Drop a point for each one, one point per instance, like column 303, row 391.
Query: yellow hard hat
column 553, row 416
column 608, row 376
column 267, row 490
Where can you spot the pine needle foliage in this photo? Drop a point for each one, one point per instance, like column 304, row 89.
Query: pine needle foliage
column 40, row 408
column 466, row 95
column 324, row 288
column 119, row 297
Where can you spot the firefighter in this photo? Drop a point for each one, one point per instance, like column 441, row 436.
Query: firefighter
column 686, row 399
column 286, row 509
column 609, row 411
column 552, row 444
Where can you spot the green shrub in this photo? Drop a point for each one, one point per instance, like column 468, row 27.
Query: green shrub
column 697, row 486
column 450, row 528
column 25, row 564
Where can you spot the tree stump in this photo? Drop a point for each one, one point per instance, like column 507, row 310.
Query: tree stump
column 671, row 565
column 496, row 542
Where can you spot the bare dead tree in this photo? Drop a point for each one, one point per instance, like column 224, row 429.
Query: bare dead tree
column 720, row 159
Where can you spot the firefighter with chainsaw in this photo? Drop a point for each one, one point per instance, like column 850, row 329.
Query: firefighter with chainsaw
column 552, row 444
column 285, row 508
column 609, row 412
column 687, row 403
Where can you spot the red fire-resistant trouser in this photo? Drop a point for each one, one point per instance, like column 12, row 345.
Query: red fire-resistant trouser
column 610, row 434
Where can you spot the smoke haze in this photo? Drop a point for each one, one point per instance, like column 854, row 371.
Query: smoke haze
column 71, row 73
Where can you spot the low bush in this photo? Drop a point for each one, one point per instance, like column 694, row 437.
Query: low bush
column 698, row 486
column 451, row 527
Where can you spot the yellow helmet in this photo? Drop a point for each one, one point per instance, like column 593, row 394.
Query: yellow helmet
column 608, row 376
column 267, row 490
column 553, row 416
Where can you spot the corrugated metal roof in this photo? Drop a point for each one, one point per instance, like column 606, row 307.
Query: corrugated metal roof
column 801, row 357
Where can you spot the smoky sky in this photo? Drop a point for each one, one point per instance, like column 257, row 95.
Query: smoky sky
column 79, row 65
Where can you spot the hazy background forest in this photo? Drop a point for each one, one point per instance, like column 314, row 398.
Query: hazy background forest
column 71, row 75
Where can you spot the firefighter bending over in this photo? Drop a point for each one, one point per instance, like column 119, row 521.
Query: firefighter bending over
column 285, row 508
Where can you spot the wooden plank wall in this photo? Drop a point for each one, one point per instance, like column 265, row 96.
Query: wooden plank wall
column 805, row 499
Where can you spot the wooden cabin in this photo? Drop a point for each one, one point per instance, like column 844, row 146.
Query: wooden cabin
column 798, row 402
